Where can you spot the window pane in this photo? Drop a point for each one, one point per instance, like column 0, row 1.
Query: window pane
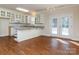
column 54, row 26
column 54, row 23
column 65, row 26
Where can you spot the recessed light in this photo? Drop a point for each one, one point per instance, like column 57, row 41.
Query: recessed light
column 21, row 9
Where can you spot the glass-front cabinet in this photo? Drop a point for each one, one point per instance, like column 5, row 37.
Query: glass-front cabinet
column 16, row 17
column 2, row 13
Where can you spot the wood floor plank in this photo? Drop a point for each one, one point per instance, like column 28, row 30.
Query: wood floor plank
column 41, row 45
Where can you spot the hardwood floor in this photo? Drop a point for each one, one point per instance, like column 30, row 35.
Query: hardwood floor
column 37, row 46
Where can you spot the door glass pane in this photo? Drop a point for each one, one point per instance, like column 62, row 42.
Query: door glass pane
column 65, row 26
column 54, row 26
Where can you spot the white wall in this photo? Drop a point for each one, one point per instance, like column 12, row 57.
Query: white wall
column 76, row 24
column 4, row 27
column 47, row 24
column 73, row 12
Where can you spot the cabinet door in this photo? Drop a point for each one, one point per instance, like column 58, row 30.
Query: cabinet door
column 41, row 18
column 33, row 20
column 16, row 18
column 22, row 20
column 29, row 19
column 12, row 17
column 8, row 14
column 19, row 16
column 2, row 13
column 26, row 19
column 37, row 19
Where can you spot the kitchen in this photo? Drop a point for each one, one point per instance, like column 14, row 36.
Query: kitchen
column 20, row 25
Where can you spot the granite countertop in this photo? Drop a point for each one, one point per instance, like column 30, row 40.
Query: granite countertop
column 22, row 26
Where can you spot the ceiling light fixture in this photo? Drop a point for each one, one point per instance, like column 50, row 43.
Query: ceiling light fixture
column 33, row 13
column 21, row 9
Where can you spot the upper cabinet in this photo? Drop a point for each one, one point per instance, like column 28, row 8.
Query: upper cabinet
column 8, row 14
column 18, row 17
column 3, row 14
column 39, row 18
column 14, row 16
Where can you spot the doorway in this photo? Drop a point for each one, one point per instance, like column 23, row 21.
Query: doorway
column 61, row 26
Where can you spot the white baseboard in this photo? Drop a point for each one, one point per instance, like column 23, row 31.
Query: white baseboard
column 3, row 35
column 75, row 39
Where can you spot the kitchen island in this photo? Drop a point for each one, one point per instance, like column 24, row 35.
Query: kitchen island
column 26, row 31
column 25, row 34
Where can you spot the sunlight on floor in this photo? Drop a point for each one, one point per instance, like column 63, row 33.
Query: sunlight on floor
column 74, row 43
column 64, row 42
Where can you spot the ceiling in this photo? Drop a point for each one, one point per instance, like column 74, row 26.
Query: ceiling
column 33, row 7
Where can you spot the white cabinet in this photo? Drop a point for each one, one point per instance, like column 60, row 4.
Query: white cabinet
column 22, row 18
column 39, row 18
column 27, row 34
column 18, row 18
column 4, row 13
column 32, row 19
column 13, row 31
column 14, row 16
column 8, row 14
column 28, row 19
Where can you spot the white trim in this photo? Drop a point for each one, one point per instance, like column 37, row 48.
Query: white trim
column 3, row 35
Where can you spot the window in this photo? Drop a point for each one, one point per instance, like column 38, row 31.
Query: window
column 65, row 26
column 54, row 26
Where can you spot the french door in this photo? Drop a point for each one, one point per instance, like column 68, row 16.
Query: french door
column 61, row 26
